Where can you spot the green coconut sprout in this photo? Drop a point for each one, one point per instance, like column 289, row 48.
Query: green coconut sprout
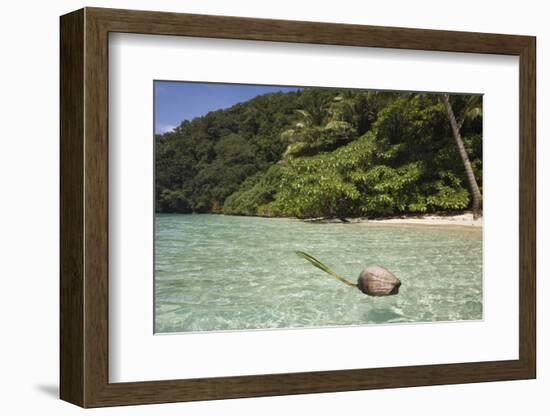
column 324, row 268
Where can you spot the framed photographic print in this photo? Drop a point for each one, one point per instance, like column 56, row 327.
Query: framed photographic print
column 255, row 207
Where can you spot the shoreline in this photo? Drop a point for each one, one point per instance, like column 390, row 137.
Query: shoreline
column 465, row 219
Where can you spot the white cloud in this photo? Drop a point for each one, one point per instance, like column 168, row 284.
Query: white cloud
column 163, row 128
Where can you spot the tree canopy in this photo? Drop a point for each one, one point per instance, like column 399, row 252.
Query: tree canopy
column 320, row 152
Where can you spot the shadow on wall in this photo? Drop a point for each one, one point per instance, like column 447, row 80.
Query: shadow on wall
column 51, row 390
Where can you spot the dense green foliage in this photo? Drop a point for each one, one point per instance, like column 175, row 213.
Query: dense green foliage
column 320, row 152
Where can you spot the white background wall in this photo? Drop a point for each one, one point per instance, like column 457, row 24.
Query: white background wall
column 29, row 85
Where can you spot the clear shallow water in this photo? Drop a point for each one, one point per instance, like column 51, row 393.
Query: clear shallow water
column 215, row 272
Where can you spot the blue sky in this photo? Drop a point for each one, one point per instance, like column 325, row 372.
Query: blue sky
column 178, row 101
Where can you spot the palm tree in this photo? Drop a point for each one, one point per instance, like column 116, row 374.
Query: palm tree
column 470, row 110
column 312, row 118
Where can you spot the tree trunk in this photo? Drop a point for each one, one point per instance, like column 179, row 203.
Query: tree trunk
column 476, row 195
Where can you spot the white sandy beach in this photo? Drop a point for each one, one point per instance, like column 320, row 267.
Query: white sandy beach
column 465, row 219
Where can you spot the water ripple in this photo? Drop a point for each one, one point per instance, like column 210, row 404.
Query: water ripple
column 215, row 272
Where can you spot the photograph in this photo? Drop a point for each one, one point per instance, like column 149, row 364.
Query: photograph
column 286, row 207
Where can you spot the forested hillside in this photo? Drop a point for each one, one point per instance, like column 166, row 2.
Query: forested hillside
column 322, row 152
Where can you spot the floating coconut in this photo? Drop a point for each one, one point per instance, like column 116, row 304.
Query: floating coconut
column 378, row 281
column 373, row 281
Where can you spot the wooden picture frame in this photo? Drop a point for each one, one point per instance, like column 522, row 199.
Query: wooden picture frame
column 84, row 207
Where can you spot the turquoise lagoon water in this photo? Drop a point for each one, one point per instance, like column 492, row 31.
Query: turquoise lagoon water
column 219, row 273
